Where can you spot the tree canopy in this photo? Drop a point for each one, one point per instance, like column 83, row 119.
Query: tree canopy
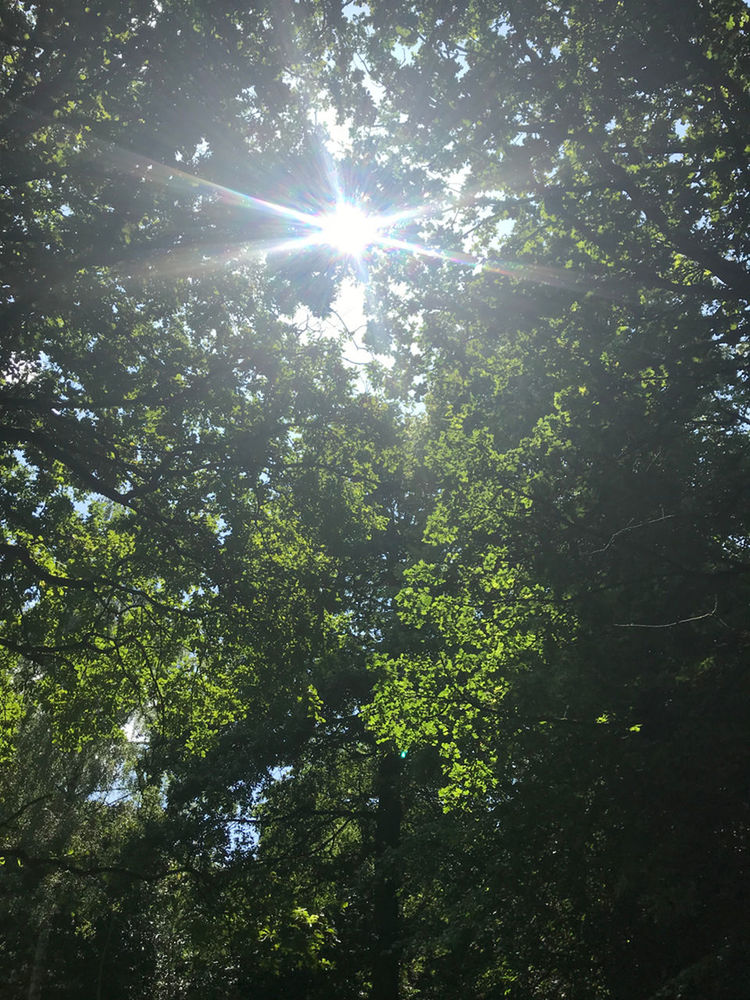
column 418, row 673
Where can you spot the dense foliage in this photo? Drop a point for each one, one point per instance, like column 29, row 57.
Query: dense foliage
column 428, row 680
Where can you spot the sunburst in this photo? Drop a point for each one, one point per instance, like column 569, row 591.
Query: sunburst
column 346, row 227
column 350, row 230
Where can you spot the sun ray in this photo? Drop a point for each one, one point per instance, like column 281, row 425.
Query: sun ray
column 324, row 228
column 345, row 228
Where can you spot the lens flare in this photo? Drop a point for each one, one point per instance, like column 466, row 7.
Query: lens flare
column 349, row 230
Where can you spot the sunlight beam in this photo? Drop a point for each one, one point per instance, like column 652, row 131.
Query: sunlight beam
column 346, row 229
column 349, row 230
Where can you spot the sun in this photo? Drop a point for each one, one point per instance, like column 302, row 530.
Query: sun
column 349, row 229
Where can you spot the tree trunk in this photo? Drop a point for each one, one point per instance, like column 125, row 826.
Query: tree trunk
column 387, row 952
column 38, row 967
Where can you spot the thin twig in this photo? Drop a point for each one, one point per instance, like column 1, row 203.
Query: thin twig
column 631, row 527
column 680, row 621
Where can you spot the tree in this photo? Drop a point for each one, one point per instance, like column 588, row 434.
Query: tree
column 432, row 685
column 161, row 551
column 585, row 591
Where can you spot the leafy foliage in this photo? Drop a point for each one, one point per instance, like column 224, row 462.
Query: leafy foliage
column 430, row 683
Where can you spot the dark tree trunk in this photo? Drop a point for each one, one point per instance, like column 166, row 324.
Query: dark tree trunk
column 386, row 956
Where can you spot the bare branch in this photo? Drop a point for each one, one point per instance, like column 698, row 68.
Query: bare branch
column 680, row 621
